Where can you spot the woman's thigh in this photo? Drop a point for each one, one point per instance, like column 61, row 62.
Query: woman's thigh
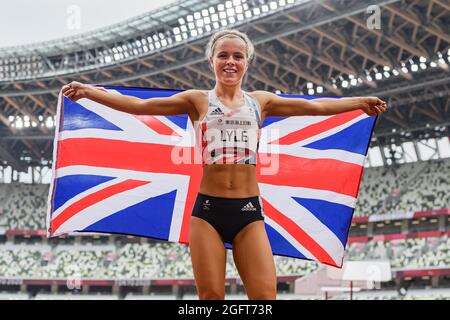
column 254, row 261
column 208, row 255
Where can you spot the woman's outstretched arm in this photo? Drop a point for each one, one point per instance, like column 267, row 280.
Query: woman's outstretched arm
column 180, row 103
column 274, row 105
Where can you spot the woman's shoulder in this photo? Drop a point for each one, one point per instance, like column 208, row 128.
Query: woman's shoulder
column 196, row 93
column 261, row 96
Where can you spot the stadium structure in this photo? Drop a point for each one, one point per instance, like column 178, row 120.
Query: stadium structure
column 329, row 48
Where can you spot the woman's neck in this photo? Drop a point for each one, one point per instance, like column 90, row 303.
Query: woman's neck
column 228, row 92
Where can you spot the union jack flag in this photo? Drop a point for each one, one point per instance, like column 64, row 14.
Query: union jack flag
column 115, row 173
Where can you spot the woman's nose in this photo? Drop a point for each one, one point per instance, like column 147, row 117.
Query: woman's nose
column 230, row 60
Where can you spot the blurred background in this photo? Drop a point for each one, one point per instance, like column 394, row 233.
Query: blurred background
column 398, row 50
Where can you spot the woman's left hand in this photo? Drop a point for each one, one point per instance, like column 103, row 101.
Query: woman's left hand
column 373, row 106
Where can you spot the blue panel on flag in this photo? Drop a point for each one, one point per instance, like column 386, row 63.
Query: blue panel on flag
column 150, row 218
column 270, row 120
column 77, row 117
column 280, row 245
column 337, row 217
column 180, row 120
column 69, row 186
column 360, row 132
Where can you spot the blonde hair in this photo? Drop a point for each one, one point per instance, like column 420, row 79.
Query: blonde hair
column 229, row 33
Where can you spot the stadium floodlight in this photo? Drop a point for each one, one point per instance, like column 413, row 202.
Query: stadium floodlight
column 319, row 89
column 378, row 76
column 386, row 74
column 344, row 84
column 309, row 85
column 395, row 72
column 423, row 66
column 423, row 59
column 19, row 123
column 310, row 92
column 414, row 68
column 354, row 82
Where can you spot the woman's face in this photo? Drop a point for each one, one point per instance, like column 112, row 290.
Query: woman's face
column 229, row 60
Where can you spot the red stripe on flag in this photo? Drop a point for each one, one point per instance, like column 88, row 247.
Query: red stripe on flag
column 318, row 128
column 146, row 157
column 324, row 174
column 298, row 234
column 156, row 125
column 93, row 198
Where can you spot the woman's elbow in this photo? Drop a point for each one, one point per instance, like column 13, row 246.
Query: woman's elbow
column 318, row 109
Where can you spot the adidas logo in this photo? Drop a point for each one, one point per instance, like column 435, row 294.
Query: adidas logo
column 248, row 207
column 217, row 111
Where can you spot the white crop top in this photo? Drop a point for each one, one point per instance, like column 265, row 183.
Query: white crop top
column 230, row 135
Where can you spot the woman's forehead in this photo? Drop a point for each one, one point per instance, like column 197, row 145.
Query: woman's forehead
column 231, row 44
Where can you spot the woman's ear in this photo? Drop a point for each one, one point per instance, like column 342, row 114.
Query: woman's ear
column 211, row 64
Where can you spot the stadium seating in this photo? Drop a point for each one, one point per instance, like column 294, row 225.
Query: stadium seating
column 410, row 187
column 172, row 261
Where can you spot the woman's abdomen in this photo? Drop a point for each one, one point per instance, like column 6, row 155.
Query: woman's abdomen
column 229, row 180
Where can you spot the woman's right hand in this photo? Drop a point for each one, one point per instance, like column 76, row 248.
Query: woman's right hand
column 75, row 90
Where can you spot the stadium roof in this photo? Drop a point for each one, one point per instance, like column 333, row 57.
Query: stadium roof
column 302, row 47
